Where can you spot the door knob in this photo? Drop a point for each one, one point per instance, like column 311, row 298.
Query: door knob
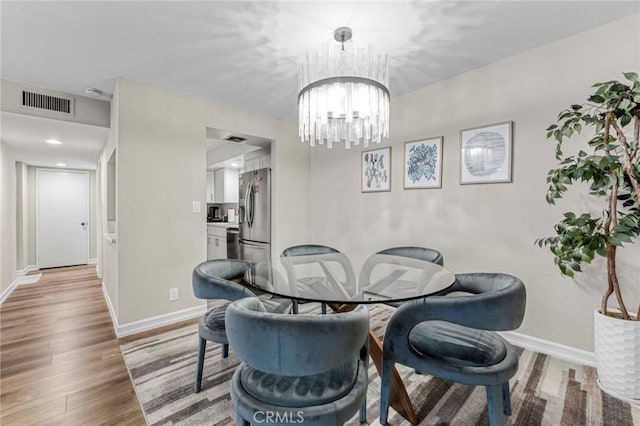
column 82, row 223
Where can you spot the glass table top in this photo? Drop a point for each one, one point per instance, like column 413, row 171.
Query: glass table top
column 348, row 278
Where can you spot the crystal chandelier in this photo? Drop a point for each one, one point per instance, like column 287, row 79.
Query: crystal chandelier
column 343, row 94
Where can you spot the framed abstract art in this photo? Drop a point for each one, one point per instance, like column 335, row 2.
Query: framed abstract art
column 376, row 170
column 485, row 154
column 423, row 163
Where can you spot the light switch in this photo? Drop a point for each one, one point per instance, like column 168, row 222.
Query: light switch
column 196, row 206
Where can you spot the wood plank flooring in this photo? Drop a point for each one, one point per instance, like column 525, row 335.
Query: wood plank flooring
column 60, row 361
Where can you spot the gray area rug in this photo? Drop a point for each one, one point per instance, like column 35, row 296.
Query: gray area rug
column 545, row 391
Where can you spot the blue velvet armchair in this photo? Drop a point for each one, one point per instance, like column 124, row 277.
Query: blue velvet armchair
column 452, row 338
column 212, row 280
column 420, row 253
column 304, row 255
column 308, row 369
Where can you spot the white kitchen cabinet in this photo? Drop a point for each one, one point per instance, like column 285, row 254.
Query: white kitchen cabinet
column 210, row 187
column 210, row 251
column 219, row 247
column 251, row 164
column 265, row 161
column 225, row 185
column 261, row 161
column 216, row 242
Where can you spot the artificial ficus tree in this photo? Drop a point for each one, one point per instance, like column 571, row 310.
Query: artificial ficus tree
column 610, row 165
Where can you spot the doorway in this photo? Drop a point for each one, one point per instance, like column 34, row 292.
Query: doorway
column 62, row 212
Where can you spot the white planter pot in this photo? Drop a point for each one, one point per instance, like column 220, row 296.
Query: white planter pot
column 617, row 346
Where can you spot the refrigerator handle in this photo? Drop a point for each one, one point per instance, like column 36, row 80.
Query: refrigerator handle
column 252, row 211
column 250, row 244
column 246, row 205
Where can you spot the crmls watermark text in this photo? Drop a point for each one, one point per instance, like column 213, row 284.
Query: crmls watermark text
column 278, row 417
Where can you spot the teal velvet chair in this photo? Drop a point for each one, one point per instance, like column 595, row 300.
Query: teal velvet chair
column 453, row 338
column 420, row 253
column 299, row 255
column 212, row 280
column 306, row 369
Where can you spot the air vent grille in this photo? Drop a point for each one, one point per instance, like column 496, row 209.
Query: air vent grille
column 236, row 139
column 46, row 102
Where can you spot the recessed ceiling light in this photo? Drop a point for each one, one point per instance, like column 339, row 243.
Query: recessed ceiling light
column 54, row 142
column 61, row 165
column 234, row 164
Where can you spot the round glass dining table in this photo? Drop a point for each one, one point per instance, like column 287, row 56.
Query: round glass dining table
column 344, row 280
column 348, row 278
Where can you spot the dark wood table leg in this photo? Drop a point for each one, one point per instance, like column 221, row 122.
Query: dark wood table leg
column 399, row 398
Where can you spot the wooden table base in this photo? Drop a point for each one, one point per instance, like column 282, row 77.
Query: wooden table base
column 399, row 398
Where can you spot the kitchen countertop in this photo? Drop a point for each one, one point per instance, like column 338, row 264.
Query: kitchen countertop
column 223, row 224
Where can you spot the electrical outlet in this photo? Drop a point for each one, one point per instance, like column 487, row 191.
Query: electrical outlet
column 196, row 207
column 173, row 294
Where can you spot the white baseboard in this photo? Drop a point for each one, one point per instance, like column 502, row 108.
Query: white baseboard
column 92, row 261
column 28, row 279
column 160, row 321
column 21, row 279
column 112, row 312
column 123, row 330
column 5, row 294
column 556, row 350
column 26, row 270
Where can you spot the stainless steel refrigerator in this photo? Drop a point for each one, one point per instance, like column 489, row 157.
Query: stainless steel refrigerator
column 255, row 215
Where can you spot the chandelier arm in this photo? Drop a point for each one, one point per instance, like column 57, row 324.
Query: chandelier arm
column 343, row 79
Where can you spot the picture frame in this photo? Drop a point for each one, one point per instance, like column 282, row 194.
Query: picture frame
column 486, row 154
column 375, row 170
column 423, row 163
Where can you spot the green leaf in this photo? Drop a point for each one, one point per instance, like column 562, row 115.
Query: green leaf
column 596, row 99
column 618, row 87
column 625, row 238
column 575, row 266
column 631, row 76
column 615, row 241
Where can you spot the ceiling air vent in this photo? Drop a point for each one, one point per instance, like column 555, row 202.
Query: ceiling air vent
column 41, row 101
column 236, row 139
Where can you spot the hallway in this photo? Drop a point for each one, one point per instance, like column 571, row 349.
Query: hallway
column 61, row 361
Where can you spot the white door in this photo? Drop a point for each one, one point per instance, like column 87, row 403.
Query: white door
column 62, row 229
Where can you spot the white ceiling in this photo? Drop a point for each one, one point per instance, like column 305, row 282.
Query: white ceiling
column 26, row 136
column 245, row 54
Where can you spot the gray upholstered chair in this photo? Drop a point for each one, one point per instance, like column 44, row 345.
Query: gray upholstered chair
column 309, row 369
column 451, row 338
column 212, row 280
column 303, row 255
column 420, row 253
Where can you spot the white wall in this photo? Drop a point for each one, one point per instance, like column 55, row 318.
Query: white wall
column 161, row 170
column 108, row 251
column 487, row 227
column 22, row 216
column 7, row 217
